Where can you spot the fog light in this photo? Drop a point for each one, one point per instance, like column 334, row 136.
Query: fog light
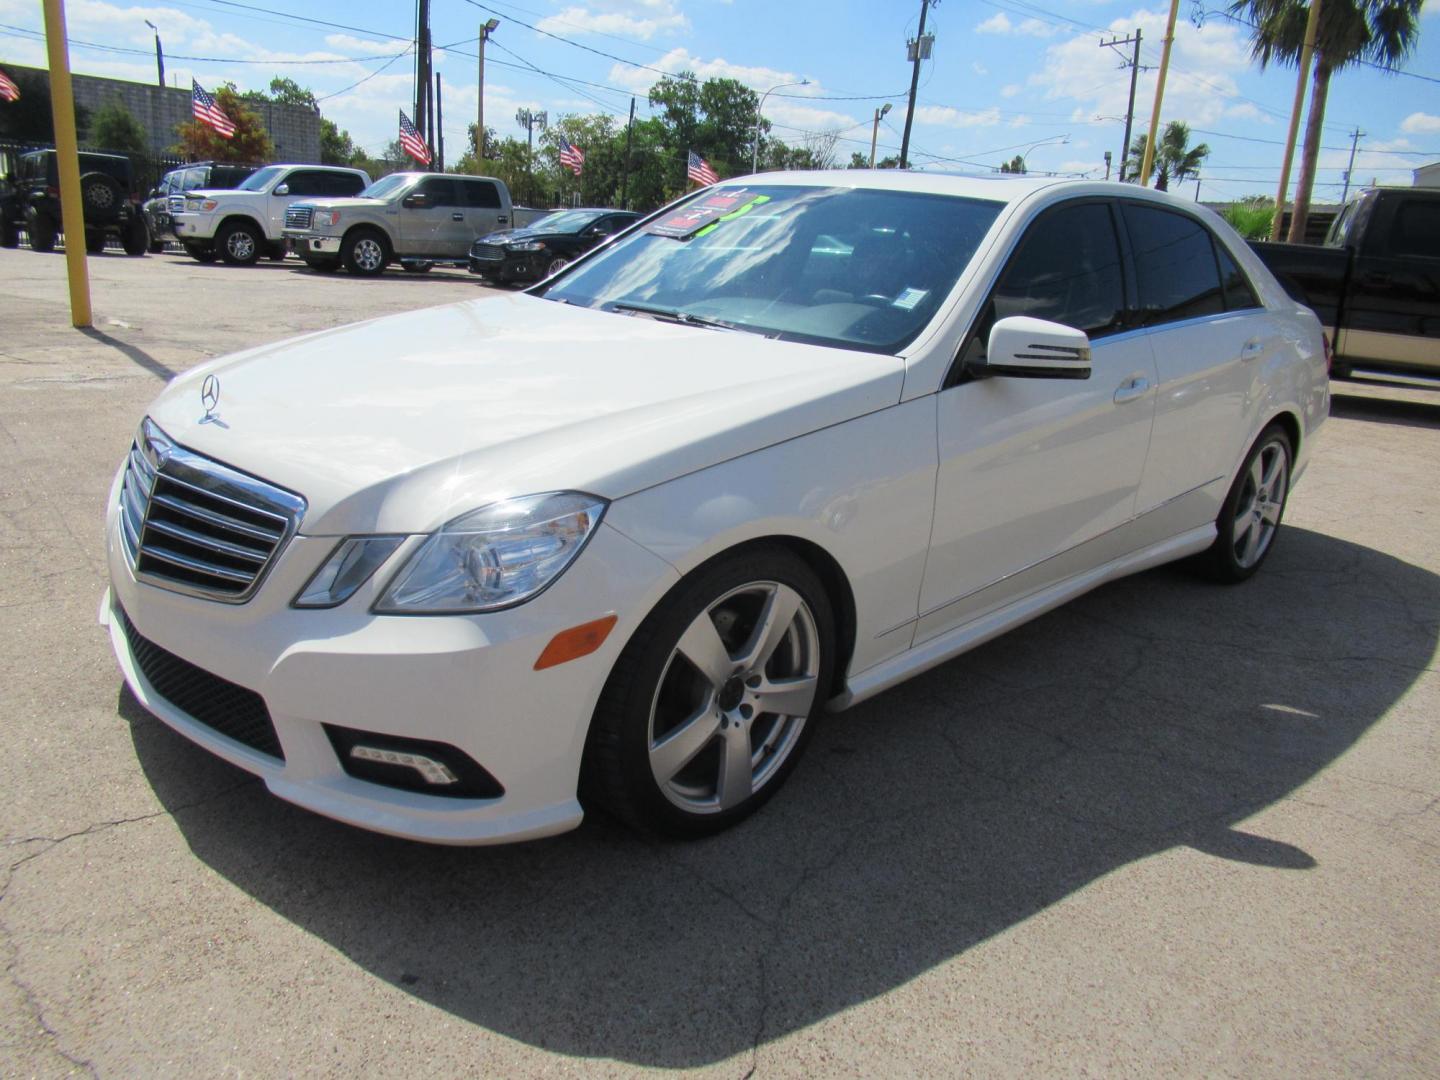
column 434, row 772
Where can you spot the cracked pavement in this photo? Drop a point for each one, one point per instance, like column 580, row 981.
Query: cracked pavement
column 1172, row 828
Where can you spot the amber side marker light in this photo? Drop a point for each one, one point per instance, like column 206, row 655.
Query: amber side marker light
column 576, row 642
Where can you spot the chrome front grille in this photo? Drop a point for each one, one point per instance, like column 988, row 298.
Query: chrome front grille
column 195, row 526
column 299, row 217
column 176, row 204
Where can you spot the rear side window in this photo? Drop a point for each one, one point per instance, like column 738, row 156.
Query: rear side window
column 1238, row 293
column 1417, row 229
column 306, row 182
column 480, row 194
column 346, row 183
column 1175, row 266
column 1066, row 270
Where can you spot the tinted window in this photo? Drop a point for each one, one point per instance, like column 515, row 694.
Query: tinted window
column 306, row 182
column 1067, row 270
column 441, row 190
column 346, row 184
column 480, row 193
column 261, row 180
column 1238, row 293
column 1417, row 229
column 1174, row 265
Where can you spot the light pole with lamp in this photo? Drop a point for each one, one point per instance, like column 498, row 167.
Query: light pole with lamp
column 759, row 112
column 486, row 29
column 875, row 131
column 1025, row 148
column 159, row 54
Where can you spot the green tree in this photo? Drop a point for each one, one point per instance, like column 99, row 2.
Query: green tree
column 251, row 144
column 1175, row 159
column 1014, row 165
column 1380, row 32
column 114, row 127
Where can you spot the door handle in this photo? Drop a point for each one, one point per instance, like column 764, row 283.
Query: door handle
column 457, row 217
column 1133, row 388
column 501, row 219
column 1252, row 348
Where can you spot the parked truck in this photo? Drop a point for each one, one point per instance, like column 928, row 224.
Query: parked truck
column 1375, row 283
column 415, row 219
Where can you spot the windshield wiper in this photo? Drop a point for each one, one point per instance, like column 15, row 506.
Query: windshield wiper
column 684, row 318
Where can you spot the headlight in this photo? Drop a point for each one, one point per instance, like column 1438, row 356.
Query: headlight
column 526, row 245
column 349, row 566
column 495, row 557
column 327, row 217
column 200, row 204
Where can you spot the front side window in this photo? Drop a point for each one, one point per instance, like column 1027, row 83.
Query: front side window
column 1175, row 266
column 441, row 190
column 745, row 258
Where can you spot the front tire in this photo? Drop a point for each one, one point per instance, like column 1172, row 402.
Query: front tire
column 709, row 706
column 364, row 253
column 136, row 239
column 239, row 243
column 1250, row 517
column 41, row 231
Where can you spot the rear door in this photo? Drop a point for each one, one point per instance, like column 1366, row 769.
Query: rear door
column 484, row 210
column 1392, row 308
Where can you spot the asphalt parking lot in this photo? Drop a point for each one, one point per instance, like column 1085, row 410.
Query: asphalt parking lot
column 1173, row 828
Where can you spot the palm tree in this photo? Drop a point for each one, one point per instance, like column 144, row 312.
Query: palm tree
column 1175, row 160
column 1380, row 32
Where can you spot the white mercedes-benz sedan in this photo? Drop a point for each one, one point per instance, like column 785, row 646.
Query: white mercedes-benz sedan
column 621, row 540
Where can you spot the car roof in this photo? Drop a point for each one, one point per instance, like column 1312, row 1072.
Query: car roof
column 1002, row 187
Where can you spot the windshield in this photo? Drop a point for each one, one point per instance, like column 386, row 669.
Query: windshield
column 860, row 269
column 386, row 186
column 260, row 180
column 565, row 221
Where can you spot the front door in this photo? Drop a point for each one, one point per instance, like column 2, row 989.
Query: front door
column 1038, row 476
column 437, row 228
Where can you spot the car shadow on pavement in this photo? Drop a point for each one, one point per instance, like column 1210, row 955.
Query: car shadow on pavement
column 1391, row 410
column 1156, row 712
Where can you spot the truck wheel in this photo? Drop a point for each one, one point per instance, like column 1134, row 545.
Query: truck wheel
column 238, row 243
column 323, row 266
column 200, row 253
column 101, row 196
column 136, row 238
column 9, row 234
column 364, row 252
column 42, row 233
column 95, row 241
column 417, row 268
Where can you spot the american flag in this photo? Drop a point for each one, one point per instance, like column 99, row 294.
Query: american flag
column 8, row 90
column 207, row 112
column 412, row 142
column 572, row 157
column 699, row 170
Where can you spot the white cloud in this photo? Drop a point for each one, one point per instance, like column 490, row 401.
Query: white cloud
column 979, row 68
column 656, row 16
column 1419, row 123
column 1000, row 23
column 1010, row 90
column 945, row 116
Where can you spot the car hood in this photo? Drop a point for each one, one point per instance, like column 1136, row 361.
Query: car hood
column 341, row 202
column 509, row 236
column 401, row 423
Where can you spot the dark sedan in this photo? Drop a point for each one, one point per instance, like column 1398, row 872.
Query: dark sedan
column 544, row 247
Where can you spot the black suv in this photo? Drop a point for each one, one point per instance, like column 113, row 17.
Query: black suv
column 545, row 246
column 201, row 174
column 106, row 193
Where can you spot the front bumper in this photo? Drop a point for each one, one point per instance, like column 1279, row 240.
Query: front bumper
column 192, row 227
column 308, row 243
column 466, row 681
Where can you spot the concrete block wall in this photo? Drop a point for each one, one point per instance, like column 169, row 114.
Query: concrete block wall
column 293, row 129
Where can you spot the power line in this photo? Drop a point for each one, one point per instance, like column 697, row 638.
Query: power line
column 1278, row 142
column 76, row 42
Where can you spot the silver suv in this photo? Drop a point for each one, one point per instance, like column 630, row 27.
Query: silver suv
column 417, row 219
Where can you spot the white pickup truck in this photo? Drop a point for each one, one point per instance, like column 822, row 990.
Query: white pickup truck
column 241, row 224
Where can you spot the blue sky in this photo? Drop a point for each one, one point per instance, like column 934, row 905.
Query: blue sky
column 1006, row 77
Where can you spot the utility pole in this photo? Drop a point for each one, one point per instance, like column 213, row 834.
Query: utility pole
column 1149, row 161
column 919, row 50
column 1307, row 51
column 439, row 127
column 424, row 115
column 529, row 120
column 625, row 177
column 159, row 56
column 1355, row 137
column 1134, row 66
column 875, row 131
column 486, row 29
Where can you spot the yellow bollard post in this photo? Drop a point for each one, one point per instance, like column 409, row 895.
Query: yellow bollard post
column 1149, row 161
column 67, row 160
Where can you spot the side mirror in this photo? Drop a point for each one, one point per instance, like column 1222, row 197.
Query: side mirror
column 282, row 189
column 1026, row 348
column 417, row 201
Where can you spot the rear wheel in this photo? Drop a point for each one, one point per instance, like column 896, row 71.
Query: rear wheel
column 101, row 196
column 364, row 252
column 239, row 243
column 42, row 233
column 1250, row 517
column 136, row 239
column 9, row 234
column 157, row 247
column 708, row 708
column 275, row 252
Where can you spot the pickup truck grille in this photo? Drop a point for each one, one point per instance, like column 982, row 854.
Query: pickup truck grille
column 195, row 526
column 176, row 204
column 299, row 217
column 488, row 252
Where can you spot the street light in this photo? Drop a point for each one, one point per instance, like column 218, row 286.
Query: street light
column 875, row 131
column 486, row 29
column 759, row 110
column 159, row 54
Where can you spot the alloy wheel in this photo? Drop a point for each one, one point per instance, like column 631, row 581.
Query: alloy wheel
column 368, row 255
column 733, row 697
column 1257, row 513
column 240, row 245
